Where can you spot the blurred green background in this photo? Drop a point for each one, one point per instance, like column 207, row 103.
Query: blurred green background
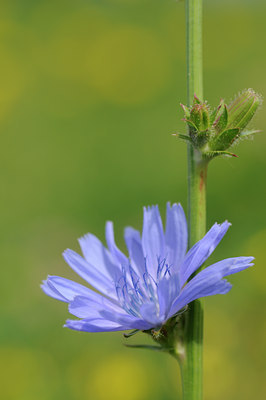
column 89, row 97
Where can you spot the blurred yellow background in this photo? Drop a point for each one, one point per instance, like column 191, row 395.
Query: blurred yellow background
column 89, row 97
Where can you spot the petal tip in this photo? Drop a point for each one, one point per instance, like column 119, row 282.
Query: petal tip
column 226, row 222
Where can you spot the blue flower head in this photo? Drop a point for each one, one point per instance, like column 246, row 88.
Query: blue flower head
column 151, row 285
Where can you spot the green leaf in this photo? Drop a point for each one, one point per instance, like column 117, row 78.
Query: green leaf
column 221, row 153
column 224, row 140
column 183, row 137
column 191, row 124
column 186, row 110
column 213, row 115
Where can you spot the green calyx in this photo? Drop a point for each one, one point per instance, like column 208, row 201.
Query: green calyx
column 169, row 337
column 213, row 132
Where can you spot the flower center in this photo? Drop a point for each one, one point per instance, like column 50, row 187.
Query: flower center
column 134, row 289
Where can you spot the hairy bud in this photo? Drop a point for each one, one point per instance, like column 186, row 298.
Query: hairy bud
column 243, row 108
column 212, row 133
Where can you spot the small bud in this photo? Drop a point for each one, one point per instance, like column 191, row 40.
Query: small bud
column 242, row 109
column 213, row 133
column 217, row 112
column 220, row 117
column 186, row 111
column 199, row 115
column 196, row 100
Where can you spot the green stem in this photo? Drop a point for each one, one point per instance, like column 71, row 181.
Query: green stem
column 194, row 49
column 191, row 364
column 197, row 176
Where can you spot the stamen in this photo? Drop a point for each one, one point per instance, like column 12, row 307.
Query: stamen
column 151, row 290
column 136, row 282
column 133, row 290
column 161, row 265
column 167, row 269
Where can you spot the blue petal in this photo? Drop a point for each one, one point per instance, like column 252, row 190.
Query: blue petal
column 199, row 253
column 133, row 242
column 126, row 320
column 68, row 289
column 209, row 281
column 88, row 307
column 150, row 314
column 89, row 273
column 153, row 243
column 83, row 307
column 98, row 256
column 109, row 234
column 176, row 236
column 167, row 290
column 52, row 292
column 95, row 325
column 230, row 266
column 201, row 287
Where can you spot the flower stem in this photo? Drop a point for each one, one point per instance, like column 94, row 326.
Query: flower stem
column 191, row 364
column 194, row 49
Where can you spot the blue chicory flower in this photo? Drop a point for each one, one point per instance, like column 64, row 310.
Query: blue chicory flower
column 150, row 286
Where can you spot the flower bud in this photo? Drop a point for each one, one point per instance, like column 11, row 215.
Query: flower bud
column 213, row 133
column 242, row 109
column 220, row 117
column 199, row 116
